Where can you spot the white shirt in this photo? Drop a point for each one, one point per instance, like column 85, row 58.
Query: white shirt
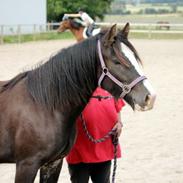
column 86, row 18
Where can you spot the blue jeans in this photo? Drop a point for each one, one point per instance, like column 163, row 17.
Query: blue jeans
column 90, row 30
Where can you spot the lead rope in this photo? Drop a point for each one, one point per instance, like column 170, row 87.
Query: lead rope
column 111, row 133
column 115, row 143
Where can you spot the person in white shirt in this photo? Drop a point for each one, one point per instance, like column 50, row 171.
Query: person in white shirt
column 87, row 21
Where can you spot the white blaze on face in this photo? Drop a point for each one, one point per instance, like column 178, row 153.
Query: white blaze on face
column 131, row 57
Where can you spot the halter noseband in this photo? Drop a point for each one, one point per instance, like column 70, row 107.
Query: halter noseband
column 126, row 88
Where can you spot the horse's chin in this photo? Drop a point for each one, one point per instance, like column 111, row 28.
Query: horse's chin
column 145, row 108
column 137, row 107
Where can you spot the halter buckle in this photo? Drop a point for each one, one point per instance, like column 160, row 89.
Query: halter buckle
column 126, row 89
column 105, row 70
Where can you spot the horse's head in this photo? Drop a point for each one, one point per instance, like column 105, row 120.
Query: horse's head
column 121, row 70
column 64, row 25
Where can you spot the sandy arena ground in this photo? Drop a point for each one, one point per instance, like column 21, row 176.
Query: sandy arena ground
column 152, row 142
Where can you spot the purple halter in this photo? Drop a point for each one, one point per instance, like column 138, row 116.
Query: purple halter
column 105, row 72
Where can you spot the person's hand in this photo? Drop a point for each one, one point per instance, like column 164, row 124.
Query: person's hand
column 118, row 128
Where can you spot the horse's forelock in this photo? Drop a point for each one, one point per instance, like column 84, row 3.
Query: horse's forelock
column 123, row 39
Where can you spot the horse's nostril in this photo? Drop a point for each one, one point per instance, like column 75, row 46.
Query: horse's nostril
column 150, row 99
column 147, row 99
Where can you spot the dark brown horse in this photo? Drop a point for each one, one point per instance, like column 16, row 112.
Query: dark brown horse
column 38, row 108
column 78, row 30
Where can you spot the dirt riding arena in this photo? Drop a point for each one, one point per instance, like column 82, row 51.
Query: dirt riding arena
column 152, row 142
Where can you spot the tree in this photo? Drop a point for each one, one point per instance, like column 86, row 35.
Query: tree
column 95, row 8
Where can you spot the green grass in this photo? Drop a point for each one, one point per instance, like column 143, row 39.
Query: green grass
column 38, row 37
column 68, row 35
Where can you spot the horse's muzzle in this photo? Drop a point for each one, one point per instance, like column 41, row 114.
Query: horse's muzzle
column 149, row 103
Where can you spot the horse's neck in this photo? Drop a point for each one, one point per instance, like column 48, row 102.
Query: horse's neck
column 78, row 34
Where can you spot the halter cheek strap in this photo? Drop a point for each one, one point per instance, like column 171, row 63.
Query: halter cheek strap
column 105, row 72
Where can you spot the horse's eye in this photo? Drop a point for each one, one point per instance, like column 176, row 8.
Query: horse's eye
column 117, row 62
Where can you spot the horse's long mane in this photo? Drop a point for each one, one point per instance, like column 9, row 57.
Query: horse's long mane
column 68, row 78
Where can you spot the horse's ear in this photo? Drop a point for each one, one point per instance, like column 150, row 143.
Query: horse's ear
column 109, row 37
column 125, row 30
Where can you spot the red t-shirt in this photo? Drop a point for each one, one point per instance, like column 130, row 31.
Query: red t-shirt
column 100, row 118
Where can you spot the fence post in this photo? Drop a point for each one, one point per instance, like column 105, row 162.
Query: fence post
column 150, row 32
column 40, row 29
column 34, row 32
column 1, row 34
column 19, row 33
column 48, row 26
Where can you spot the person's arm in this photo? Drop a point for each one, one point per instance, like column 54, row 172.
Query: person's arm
column 118, row 126
column 73, row 15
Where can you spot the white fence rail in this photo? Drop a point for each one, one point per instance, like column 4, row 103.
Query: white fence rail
column 151, row 28
column 148, row 28
column 21, row 29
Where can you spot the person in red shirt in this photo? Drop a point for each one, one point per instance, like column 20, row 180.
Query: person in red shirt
column 93, row 160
